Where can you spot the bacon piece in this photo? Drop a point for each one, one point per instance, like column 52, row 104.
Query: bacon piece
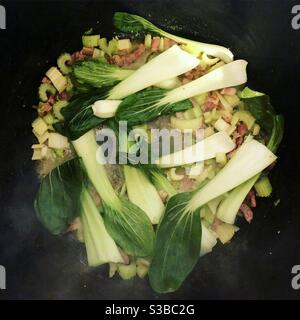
column 229, row 91
column 155, row 43
column 64, row 96
column 251, row 198
column 87, row 51
column 186, row 184
column 127, row 59
column 211, row 102
column 247, row 212
column 242, row 129
column 46, row 80
column 195, row 73
column 51, row 100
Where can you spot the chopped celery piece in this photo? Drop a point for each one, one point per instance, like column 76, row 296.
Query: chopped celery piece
column 209, row 131
column 61, row 62
column 46, row 89
column 207, row 117
column 39, row 126
column 127, row 272
column 200, row 98
column 57, row 109
column 112, row 46
column 37, row 154
column 124, row 44
column 221, row 158
column 90, row 40
column 57, row 141
column 192, row 113
column 244, row 116
column 225, row 232
column 103, row 45
column 263, row 187
column 49, row 119
column 58, row 80
column 148, row 41
column 256, row 129
column 161, row 45
column 232, row 100
column 207, row 214
column 221, row 125
column 183, row 124
column 173, row 176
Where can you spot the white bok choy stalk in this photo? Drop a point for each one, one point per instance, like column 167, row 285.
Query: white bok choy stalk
column 126, row 223
column 229, row 75
column 142, row 193
column 165, row 66
column 250, row 159
column 203, row 150
column 100, row 246
column 208, row 240
column 230, row 206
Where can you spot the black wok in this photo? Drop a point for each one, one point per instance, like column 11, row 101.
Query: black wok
column 258, row 262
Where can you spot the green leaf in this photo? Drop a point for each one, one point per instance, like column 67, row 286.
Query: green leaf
column 177, row 245
column 143, row 106
column 57, row 202
column 98, row 74
column 130, row 227
column 134, row 24
column 78, row 114
column 259, row 105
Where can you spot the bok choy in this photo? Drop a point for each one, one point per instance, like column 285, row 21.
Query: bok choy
column 128, row 225
column 149, row 104
column 135, row 24
column 182, row 217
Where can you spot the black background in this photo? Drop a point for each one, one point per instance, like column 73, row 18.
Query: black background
column 258, row 262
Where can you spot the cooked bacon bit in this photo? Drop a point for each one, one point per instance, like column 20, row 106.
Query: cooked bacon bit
column 195, row 73
column 46, row 107
column 251, row 198
column 64, row 96
column 46, row 80
column 186, row 184
column 229, row 91
column 242, row 129
column 185, row 80
column 155, row 43
column 75, row 225
column 87, row 51
column 247, row 212
column 127, row 59
column 76, row 56
column 231, row 154
column 211, row 102
column 163, row 195
column 238, row 141
column 51, row 100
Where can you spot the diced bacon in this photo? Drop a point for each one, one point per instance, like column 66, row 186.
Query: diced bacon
column 195, row 73
column 211, row 103
column 87, row 51
column 155, row 43
column 46, row 107
column 51, row 100
column 251, row 198
column 238, row 141
column 46, row 80
column 128, row 58
column 64, row 96
column 185, row 80
column 242, row 129
column 229, row 91
column 186, row 184
column 247, row 212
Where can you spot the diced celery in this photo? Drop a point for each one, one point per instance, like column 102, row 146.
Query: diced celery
column 207, row 214
column 61, row 62
column 57, row 141
column 244, row 116
column 57, row 109
column 182, row 124
column 58, row 80
column 207, row 117
column 124, row 44
column 39, row 126
column 37, row 154
column 112, row 46
column 173, row 176
column 90, row 40
column 48, row 118
column 127, row 272
column 221, row 159
column 43, row 138
column 256, row 129
column 44, row 90
column 233, row 100
column 161, row 45
column 200, row 99
column 208, row 132
column 221, row 125
column 103, row 44
column 148, row 41
column 263, row 187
